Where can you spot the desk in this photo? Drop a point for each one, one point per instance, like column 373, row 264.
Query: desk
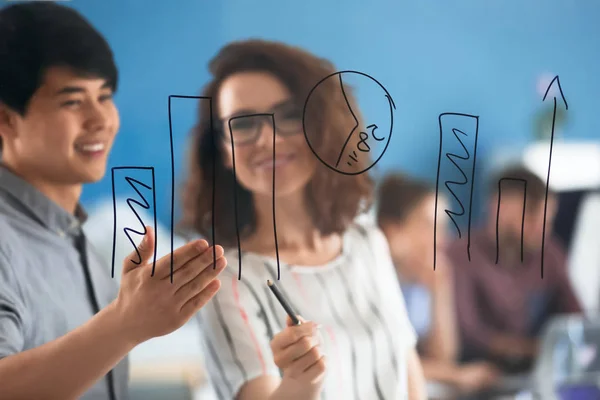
column 507, row 388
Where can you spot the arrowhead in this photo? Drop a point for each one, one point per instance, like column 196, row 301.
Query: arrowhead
column 559, row 89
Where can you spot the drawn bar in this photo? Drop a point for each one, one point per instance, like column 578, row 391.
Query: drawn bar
column 214, row 176
column 135, row 184
column 449, row 135
column 271, row 117
column 498, row 213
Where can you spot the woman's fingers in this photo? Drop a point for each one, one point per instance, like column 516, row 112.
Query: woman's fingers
column 288, row 355
column 303, row 364
column 291, row 335
column 316, row 370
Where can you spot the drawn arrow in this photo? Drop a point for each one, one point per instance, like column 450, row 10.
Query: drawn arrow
column 562, row 96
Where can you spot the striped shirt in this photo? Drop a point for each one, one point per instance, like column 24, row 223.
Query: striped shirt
column 356, row 298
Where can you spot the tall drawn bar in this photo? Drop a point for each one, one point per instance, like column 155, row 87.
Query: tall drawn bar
column 456, row 173
column 196, row 99
column 238, row 132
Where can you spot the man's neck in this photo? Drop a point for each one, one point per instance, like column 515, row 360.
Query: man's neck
column 508, row 247
column 65, row 195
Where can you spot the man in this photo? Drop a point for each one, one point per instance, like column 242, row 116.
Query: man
column 406, row 215
column 503, row 302
column 65, row 329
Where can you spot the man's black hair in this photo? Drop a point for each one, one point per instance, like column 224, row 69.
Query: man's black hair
column 35, row 36
column 514, row 175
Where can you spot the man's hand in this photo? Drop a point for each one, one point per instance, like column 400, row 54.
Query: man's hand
column 152, row 306
column 473, row 377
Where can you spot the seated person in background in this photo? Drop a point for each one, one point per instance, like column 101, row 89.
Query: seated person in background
column 334, row 271
column 405, row 214
column 503, row 301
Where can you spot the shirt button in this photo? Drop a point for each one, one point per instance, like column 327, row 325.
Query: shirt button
column 61, row 233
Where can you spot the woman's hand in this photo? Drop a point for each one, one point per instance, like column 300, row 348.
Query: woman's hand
column 297, row 353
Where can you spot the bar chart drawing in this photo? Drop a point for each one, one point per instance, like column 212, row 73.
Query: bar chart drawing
column 462, row 130
column 505, row 179
column 139, row 200
column 260, row 117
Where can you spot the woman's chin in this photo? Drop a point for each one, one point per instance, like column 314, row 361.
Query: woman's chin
column 285, row 186
column 284, row 189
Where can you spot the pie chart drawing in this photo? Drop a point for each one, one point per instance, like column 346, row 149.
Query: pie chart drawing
column 365, row 140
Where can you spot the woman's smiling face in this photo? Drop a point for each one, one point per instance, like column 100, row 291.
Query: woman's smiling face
column 240, row 96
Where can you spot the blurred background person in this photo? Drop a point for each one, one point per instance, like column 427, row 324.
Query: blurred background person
column 335, row 272
column 405, row 213
column 502, row 302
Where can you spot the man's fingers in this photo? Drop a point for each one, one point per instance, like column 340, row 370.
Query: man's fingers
column 181, row 256
column 142, row 252
column 194, row 304
column 191, row 272
column 196, row 265
column 199, row 282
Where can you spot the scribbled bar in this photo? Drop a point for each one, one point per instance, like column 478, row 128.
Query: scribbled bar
column 138, row 185
column 456, row 172
column 510, row 181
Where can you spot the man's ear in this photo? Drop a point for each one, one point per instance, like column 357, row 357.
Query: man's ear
column 7, row 122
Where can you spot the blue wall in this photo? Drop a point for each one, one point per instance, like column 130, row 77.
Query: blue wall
column 470, row 56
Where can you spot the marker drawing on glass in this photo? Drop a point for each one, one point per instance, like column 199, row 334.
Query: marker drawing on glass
column 238, row 127
column 173, row 96
column 369, row 140
column 555, row 82
column 450, row 135
column 135, row 184
column 498, row 213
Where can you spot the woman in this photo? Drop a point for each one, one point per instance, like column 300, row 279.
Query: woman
column 405, row 213
column 336, row 273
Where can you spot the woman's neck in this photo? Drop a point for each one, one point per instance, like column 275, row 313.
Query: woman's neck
column 298, row 239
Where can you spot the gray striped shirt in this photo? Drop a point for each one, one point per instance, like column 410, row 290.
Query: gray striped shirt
column 356, row 298
column 43, row 293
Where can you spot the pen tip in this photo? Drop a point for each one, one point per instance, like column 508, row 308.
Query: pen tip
column 269, row 282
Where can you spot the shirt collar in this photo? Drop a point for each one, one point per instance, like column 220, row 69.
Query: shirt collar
column 38, row 206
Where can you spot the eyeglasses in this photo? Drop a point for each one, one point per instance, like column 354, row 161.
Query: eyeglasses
column 245, row 128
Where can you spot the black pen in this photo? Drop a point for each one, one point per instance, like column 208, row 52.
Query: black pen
column 284, row 303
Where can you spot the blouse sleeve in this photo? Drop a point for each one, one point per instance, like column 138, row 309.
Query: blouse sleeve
column 236, row 333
